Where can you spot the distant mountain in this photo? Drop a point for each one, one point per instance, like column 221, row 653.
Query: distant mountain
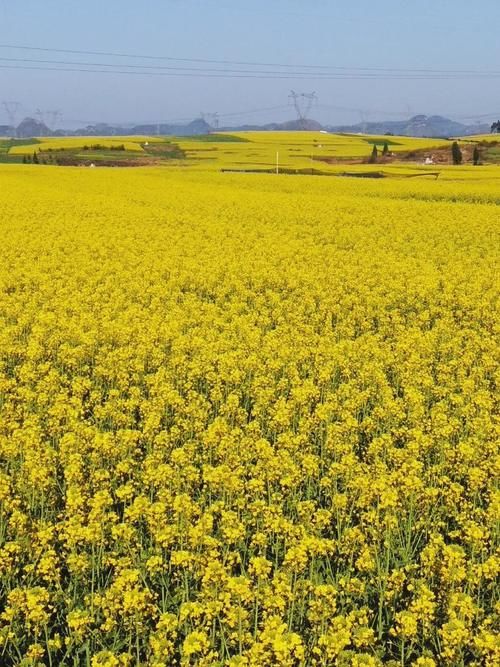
column 417, row 126
column 97, row 130
column 30, row 127
column 194, row 128
column 296, row 125
column 288, row 126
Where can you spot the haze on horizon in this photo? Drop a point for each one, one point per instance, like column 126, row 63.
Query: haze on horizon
column 389, row 39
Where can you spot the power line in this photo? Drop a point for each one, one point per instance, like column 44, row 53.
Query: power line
column 201, row 73
column 171, row 121
column 479, row 116
column 174, row 69
column 282, row 107
column 154, row 73
column 249, row 112
column 335, row 68
column 68, row 67
column 146, row 67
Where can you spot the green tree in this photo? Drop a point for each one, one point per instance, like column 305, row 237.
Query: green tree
column 476, row 155
column 385, row 149
column 374, row 155
column 35, row 158
column 456, row 153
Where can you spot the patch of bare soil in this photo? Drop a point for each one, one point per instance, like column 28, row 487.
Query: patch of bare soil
column 73, row 161
column 439, row 155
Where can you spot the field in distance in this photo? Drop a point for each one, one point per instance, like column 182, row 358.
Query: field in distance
column 290, row 152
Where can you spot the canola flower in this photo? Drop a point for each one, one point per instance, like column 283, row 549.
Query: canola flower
column 248, row 421
column 296, row 150
column 66, row 143
column 292, row 152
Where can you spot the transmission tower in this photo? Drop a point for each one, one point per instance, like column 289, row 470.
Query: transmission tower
column 362, row 115
column 11, row 109
column 43, row 117
column 303, row 103
column 53, row 118
column 211, row 118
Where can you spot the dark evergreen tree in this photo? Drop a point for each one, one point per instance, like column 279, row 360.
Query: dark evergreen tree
column 385, row 149
column 35, row 158
column 476, row 156
column 456, row 153
column 374, row 155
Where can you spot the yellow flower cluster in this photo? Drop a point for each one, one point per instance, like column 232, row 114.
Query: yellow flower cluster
column 65, row 143
column 248, row 420
column 292, row 150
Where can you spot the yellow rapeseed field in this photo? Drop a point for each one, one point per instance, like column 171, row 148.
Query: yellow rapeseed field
column 248, row 420
column 293, row 150
column 68, row 143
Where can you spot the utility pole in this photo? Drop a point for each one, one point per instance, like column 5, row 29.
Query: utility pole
column 303, row 103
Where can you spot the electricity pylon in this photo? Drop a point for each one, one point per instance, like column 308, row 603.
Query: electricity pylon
column 11, row 109
column 53, row 118
column 303, row 103
column 211, row 118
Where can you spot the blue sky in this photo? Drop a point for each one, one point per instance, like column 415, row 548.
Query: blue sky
column 422, row 34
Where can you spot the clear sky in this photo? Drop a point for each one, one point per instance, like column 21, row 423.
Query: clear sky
column 419, row 34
